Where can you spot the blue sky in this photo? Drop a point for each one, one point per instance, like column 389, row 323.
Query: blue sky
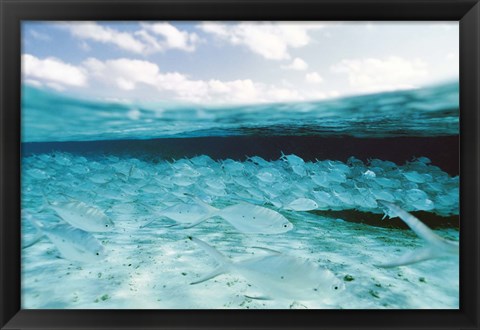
column 236, row 62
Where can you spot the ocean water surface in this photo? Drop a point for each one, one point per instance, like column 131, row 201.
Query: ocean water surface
column 182, row 206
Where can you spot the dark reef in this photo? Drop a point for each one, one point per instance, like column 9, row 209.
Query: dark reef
column 432, row 220
column 443, row 151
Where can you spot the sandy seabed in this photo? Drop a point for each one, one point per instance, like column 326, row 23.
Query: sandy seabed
column 152, row 267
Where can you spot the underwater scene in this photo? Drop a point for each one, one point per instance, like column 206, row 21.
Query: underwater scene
column 347, row 201
column 132, row 225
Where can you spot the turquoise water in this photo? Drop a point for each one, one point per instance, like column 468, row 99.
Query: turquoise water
column 423, row 112
column 119, row 200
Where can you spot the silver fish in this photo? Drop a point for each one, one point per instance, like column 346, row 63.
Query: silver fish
column 254, row 219
column 277, row 275
column 83, row 216
column 72, row 243
column 246, row 218
column 436, row 246
column 301, row 204
column 293, row 160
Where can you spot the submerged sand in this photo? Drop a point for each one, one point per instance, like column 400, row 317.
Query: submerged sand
column 152, row 267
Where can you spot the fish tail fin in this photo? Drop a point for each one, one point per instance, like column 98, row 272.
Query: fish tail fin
column 413, row 257
column 170, row 164
column 130, row 172
column 213, row 210
column 67, row 196
column 38, row 236
column 193, row 224
column 216, row 272
column 95, row 195
column 180, row 225
column 223, row 261
column 147, row 223
column 46, row 201
column 151, row 209
column 38, row 226
column 189, row 225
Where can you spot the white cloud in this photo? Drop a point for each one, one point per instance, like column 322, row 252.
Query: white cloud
column 276, row 94
column 248, row 91
column 172, row 37
column 151, row 38
column 239, row 90
column 129, row 74
column 270, row 40
column 96, row 32
column 372, row 74
column 52, row 71
column 333, row 93
column 137, row 77
column 313, row 78
column 297, row 64
column 134, row 75
column 124, row 73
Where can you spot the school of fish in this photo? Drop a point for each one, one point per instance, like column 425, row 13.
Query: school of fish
column 254, row 196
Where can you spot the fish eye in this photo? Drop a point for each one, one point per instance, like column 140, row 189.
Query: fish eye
column 285, row 226
column 97, row 254
column 335, row 287
column 106, row 225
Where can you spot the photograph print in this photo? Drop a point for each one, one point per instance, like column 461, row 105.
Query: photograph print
column 239, row 165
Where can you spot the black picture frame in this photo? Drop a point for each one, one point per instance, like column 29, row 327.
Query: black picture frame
column 467, row 12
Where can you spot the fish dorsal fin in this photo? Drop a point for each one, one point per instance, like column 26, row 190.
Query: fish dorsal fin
column 415, row 224
column 130, row 172
column 258, row 297
column 68, row 197
column 266, row 249
column 436, row 245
